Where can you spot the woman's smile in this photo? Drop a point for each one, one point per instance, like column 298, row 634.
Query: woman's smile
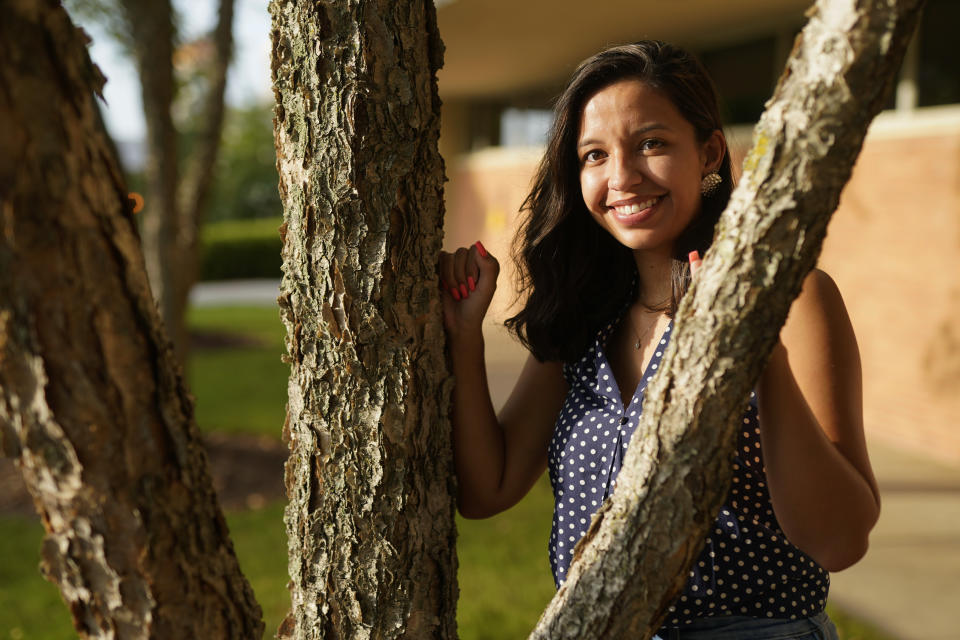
column 634, row 211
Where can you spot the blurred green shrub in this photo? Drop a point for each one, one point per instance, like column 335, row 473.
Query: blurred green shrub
column 245, row 180
column 236, row 249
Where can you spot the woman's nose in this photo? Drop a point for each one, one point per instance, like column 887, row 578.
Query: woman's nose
column 623, row 173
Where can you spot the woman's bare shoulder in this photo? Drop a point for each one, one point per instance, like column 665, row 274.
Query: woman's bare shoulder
column 818, row 314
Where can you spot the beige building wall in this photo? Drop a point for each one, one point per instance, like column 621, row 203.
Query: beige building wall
column 892, row 247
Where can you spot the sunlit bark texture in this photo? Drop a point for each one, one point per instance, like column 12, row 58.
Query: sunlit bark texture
column 635, row 558
column 370, row 519
column 92, row 403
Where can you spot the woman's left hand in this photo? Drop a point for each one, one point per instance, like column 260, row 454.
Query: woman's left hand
column 694, row 258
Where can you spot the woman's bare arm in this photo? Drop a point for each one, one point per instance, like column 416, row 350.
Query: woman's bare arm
column 497, row 458
column 811, row 421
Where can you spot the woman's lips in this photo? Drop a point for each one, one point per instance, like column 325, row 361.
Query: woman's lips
column 633, row 213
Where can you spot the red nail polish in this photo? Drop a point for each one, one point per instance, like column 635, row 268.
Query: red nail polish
column 694, row 256
column 472, row 283
column 463, row 291
column 455, row 293
column 483, row 252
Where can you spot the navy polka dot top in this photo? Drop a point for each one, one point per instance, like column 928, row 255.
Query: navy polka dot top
column 747, row 567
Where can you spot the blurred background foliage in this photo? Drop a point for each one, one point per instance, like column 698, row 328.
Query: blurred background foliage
column 240, row 237
column 245, row 184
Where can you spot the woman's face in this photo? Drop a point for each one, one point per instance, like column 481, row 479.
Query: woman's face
column 641, row 165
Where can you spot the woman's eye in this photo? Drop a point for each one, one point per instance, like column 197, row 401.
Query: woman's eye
column 592, row 156
column 651, row 143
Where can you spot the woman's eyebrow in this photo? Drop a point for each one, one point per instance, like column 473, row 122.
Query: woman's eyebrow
column 639, row 132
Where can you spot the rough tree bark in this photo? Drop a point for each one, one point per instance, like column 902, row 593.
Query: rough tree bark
column 371, row 514
column 92, row 402
column 175, row 205
column 634, row 560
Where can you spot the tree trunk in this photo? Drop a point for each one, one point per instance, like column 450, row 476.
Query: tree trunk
column 195, row 183
column 635, row 558
column 92, row 402
column 151, row 32
column 370, row 479
column 176, row 201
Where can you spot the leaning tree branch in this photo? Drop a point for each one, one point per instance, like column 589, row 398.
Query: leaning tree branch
column 93, row 407
column 635, row 558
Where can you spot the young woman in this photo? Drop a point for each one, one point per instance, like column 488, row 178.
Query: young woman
column 634, row 178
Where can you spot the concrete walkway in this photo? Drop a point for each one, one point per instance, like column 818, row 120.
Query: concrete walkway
column 235, row 292
column 909, row 582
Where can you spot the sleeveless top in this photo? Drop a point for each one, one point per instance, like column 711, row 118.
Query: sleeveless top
column 747, row 566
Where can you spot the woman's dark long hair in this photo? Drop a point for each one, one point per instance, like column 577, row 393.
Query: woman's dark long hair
column 576, row 276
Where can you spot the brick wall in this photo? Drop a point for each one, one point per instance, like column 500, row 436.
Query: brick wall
column 893, row 249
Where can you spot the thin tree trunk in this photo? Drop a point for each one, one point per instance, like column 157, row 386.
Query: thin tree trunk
column 174, row 212
column 634, row 560
column 151, row 30
column 371, row 514
column 196, row 180
column 92, row 404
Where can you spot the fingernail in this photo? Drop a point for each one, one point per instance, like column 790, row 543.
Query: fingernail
column 455, row 293
column 483, row 252
column 694, row 256
column 472, row 283
column 463, row 291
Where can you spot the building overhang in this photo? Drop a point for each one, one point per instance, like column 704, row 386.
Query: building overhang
column 496, row 48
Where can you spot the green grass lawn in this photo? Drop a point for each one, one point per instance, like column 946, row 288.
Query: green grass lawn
column 504, row 575
column 31, row 608
column 243, row 389
column 505, row 580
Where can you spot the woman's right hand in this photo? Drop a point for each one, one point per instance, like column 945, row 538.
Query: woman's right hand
column 468, row 278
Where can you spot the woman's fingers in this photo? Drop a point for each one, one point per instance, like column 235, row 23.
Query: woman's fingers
column 472, row 270
column 694, row 258
column 448, row 277
column 468, row 270
column 460, row 260
column 486, row 268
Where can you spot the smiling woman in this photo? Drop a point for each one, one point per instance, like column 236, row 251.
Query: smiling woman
column 635, row 175
column 641, row 166
column 664, row 102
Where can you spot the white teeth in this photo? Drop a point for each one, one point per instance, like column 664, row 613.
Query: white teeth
column 636, row 207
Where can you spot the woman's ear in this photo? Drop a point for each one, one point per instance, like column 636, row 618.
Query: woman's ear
column 713, row 151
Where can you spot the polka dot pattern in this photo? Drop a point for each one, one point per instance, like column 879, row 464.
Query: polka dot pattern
column 747, row 566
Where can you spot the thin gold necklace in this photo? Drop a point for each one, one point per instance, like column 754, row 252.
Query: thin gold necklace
column 636, row 345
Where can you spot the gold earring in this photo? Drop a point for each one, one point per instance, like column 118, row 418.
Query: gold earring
column 709, row 184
